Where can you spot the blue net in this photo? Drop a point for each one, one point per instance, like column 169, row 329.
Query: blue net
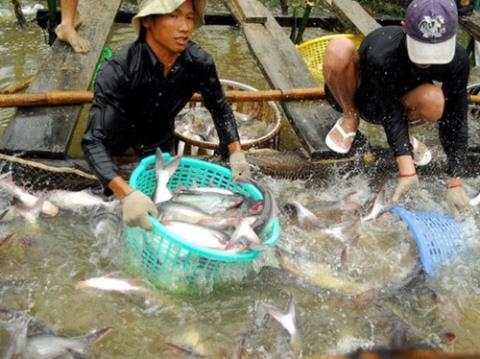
column 437, row 235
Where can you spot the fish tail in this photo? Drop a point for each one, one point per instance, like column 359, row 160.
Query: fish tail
column 98, row 334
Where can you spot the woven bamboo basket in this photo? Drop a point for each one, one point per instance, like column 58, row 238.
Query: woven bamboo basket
column 267, row 112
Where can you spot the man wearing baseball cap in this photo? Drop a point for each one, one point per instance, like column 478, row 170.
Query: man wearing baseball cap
column 403, row 76
column 141, row 89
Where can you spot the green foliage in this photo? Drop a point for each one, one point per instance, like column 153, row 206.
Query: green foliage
column 385, row 7
column 299, row 25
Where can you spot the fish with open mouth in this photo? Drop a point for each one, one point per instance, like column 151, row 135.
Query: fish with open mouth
column 33, row 339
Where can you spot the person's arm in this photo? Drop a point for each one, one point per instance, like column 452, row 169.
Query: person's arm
column 453, row 129
column 225, row 123
column 453, row 126
column 215, row 101
column 106, row 133
column 395, row 124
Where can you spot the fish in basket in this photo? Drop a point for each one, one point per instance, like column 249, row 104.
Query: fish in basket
column 209, row 230
column 258, row 124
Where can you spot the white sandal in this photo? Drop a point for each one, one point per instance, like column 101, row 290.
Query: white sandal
column 335, row 146
column 427, row 155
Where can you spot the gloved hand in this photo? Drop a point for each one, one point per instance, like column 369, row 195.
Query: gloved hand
column 457, row 199
column 405, row 184
column 239, row 165
column 135, row 207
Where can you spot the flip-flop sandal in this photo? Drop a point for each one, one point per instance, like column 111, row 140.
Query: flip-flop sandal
column 427, row 155
column 335, row 146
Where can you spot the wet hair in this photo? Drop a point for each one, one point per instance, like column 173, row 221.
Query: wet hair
column 142, row 33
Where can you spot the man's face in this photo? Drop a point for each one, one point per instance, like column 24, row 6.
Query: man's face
column 170, row 32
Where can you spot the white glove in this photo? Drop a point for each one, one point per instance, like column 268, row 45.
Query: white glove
column 239, row 165
column 457, row 199
column 404, row 185
column 135, row 206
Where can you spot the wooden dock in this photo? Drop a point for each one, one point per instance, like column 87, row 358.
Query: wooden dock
column 47, row 131
column 471, row 24
column 285, row 69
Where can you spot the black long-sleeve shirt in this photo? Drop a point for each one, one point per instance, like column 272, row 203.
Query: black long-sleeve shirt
column 387, row 74
column 134, row 105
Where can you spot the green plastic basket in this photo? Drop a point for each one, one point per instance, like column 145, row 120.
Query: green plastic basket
column 167, row 260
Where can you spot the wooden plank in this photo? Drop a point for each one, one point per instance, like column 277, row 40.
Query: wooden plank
column 353, row 15
column 471, row 24
column 327, row 22
column 285, row 69
column 251, row 12
column 47, row 131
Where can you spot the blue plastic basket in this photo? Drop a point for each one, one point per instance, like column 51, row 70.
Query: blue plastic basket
column 167, row 260
column 437, row 235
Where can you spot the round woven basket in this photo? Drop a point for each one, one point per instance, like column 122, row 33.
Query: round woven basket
column 312, row 52
column 265, row 111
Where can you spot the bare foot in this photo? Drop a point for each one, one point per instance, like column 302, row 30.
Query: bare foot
column 72, row 37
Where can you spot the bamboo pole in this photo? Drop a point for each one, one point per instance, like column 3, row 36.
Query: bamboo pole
column 53, row 98
column 81, row 97
column 399, row 354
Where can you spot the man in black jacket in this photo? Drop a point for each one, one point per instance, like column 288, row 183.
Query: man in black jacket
column 141, row 89
column 402, row 76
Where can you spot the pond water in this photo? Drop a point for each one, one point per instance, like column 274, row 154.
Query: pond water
column 39, row 271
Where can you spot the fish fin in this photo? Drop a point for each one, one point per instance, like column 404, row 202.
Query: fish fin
column 349, row 204
column 97, row 334
column 286, row 318
column 244, row 235
column 6, row 241
column 164, row 170
column 7, row 176
column 184, row 351
column 305, row 217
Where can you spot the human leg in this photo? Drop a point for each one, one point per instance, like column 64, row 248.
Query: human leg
column 424, row 104
column 66, row 30
column 340, row 74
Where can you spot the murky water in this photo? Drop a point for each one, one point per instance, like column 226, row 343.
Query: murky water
column 47, row 259
column 39, row 271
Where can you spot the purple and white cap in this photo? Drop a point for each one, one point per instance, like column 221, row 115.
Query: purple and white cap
column 431, row 27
